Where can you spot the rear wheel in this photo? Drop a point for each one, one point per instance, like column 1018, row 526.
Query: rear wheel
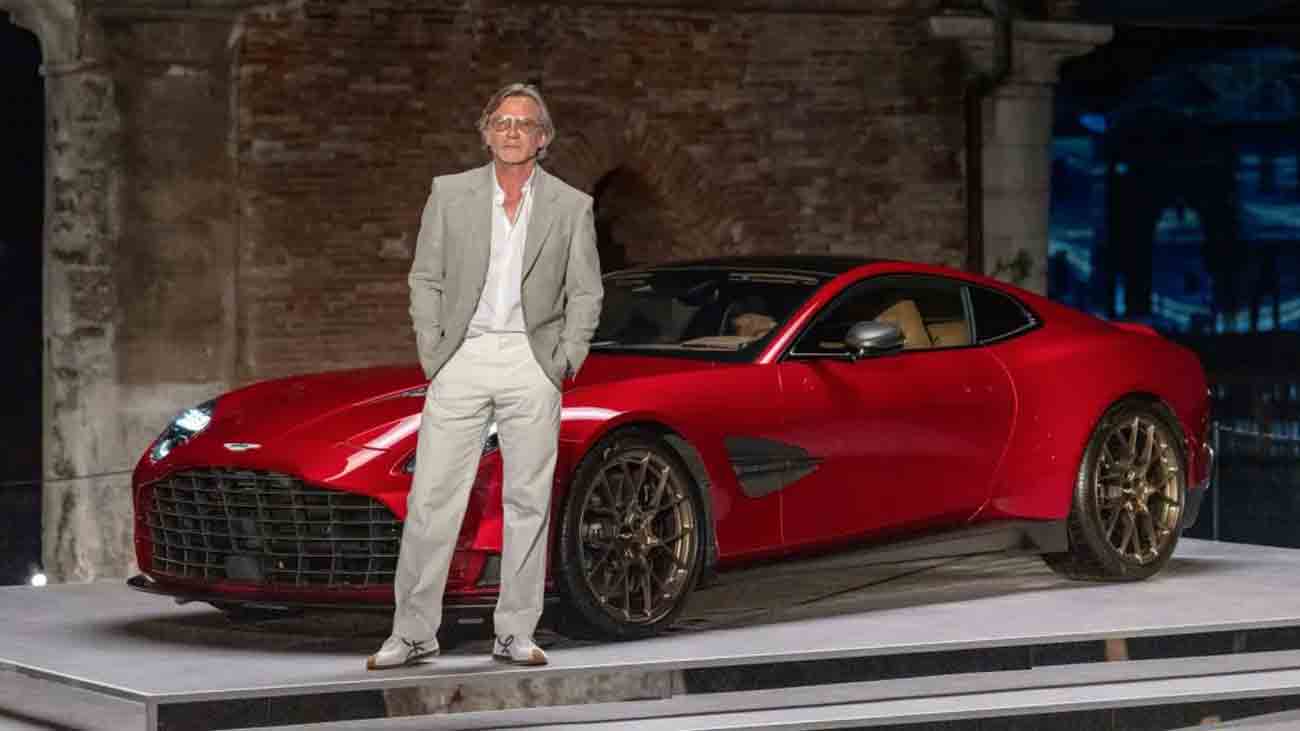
column 1127, row 508
column 631, row 540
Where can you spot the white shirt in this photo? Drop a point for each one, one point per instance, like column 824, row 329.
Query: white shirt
column 499, row 307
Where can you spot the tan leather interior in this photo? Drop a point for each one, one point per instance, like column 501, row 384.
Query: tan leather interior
column 752, row 325
column 904, row 315
column 949, row 334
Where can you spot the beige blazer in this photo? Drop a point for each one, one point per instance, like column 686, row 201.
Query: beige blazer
column 561, row 271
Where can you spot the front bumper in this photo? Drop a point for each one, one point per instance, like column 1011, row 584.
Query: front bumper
column 474, row 605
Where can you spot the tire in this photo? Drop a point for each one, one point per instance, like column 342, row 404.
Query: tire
column 1127, row 508
column 631, row 541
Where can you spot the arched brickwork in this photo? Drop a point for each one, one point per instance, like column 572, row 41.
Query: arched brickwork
column 652, row 199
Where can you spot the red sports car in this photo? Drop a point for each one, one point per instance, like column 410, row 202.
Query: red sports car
column 732, row 410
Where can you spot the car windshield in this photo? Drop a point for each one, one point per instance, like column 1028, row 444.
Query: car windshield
column 698, row 310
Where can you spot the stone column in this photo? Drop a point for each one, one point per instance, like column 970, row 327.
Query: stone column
column 82, row 216
column 85, row 535
column 1018, row 135
column 139, row 245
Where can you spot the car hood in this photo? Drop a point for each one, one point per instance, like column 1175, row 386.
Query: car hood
column 330, row 407
column 378, row 408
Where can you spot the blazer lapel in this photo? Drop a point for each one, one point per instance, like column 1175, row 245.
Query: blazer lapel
column 539, row 220
column 479, row 241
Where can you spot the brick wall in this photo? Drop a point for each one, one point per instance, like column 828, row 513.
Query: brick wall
column 704, row 132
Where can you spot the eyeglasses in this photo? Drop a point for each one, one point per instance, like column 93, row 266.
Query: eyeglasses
column 523, row 125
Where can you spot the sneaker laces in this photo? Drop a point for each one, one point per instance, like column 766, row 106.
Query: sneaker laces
column 416, row 647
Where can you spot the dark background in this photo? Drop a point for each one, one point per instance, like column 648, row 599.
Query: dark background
column 22, row 146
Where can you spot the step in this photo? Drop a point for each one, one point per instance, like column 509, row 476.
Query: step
column 1040, row 691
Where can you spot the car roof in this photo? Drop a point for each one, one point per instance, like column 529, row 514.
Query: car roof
column 824, row 265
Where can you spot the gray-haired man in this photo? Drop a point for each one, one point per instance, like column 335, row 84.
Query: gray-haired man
column 505, row 296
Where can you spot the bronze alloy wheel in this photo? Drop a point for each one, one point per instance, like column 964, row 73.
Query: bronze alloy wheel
column 1139, row 488
column 631, row 542
column 639, row 537
column 1126, row 510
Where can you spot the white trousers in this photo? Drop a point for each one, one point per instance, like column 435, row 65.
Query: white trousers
column 491, row 377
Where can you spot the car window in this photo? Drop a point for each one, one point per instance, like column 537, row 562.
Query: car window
column 929, row 310
column 997, row 315
column 714, row 312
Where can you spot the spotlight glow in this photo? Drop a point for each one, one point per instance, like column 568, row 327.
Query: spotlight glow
column 38, row 579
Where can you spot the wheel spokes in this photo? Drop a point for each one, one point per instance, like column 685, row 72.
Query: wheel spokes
column 640, row 538
column 1130, row 528
column 1137, row 488
column 1144, row 463
column 1112, row 522
column 609, row 491
column 646, row 599
column 1149, row 528
column 659, row 490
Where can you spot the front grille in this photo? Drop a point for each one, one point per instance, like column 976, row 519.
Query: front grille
column 269, row 528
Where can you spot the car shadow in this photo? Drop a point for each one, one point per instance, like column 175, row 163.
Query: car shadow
column 324, row 633
column 834, row 586
column 782, row 592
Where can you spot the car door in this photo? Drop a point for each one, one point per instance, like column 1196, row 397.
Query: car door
column 895, row 442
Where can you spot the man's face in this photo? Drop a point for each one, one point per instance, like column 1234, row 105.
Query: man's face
column 514, row 131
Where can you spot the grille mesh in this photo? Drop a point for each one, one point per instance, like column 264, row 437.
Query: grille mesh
column 269, row 528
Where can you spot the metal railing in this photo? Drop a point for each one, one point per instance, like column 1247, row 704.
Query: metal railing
column 1255, row 497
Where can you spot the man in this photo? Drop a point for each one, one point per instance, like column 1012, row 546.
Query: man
column 505, row 296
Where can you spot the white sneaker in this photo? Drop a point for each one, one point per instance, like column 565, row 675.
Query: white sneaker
column 517, row 650
column 398, row 651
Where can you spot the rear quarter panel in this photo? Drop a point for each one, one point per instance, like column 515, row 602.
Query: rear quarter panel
column 1067, row 374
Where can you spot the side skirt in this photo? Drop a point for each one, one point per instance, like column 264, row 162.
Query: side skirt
column 1012, row 536
column 1008, row 536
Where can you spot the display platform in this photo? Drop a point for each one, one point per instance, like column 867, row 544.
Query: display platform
column 960, row 623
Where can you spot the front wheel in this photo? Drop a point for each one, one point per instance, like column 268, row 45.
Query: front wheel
column 1127, row 507
column 631, row 540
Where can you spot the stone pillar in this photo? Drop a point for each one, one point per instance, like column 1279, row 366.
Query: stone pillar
column 82, row 181
column 139, row 251
column 83, row 527
column 1018, row 135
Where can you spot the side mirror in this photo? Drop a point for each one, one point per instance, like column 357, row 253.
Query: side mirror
column 870, row 337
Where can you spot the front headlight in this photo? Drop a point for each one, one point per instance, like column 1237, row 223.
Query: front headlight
column 182, row 429
column 490, row 445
